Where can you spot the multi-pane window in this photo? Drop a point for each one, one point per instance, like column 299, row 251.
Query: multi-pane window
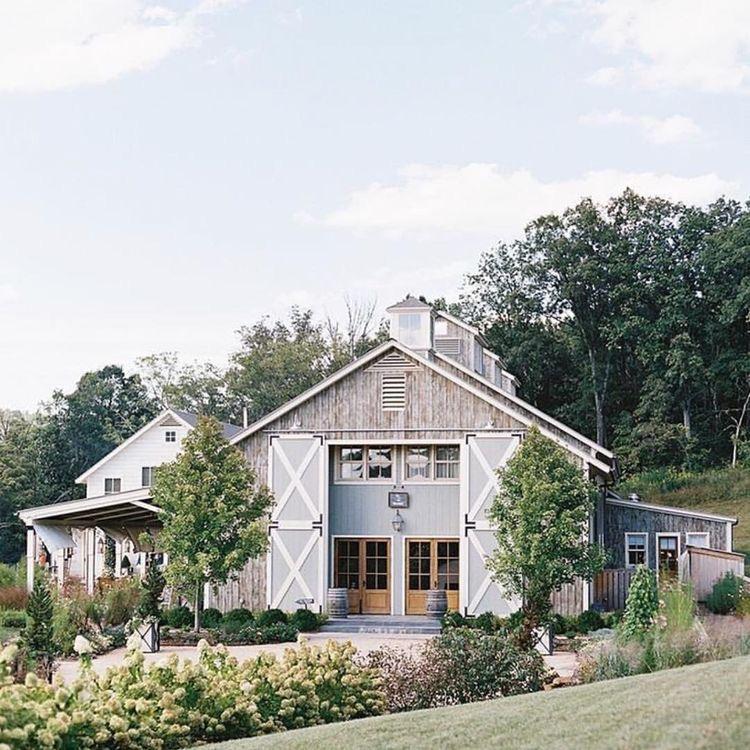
column 376, row 563
column 418, row 462
column 420, row 563
column 170, row 436
column 410, row 328
column 447, row 566
column 351, row 463
column 697, row 539
column 112, row 485
column 636, row 552
column 148, row 474
column 447, row 458
column 379, row 464
column 358, row 462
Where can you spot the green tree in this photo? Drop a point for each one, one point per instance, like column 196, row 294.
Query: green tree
column 213, row 512
column 541, row 515
column 38, row 639
column 151, row 589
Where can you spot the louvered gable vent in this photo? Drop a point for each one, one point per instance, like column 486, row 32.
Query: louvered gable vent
column 450, row 347
column 394, row 361
column 393, row 391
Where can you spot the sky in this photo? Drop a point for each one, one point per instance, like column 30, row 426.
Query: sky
column 172, row 171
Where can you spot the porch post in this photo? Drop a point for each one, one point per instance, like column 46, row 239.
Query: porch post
column 91, row 567
column 30, row 556
column 118, row 559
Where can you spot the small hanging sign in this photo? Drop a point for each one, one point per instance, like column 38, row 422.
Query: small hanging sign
column 398, row 499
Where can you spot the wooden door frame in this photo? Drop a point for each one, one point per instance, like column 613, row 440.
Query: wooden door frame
column 660, row 534
column 432, row 540
column 382, row 537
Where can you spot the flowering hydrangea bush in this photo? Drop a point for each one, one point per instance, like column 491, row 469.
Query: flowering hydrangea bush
column 175, row 704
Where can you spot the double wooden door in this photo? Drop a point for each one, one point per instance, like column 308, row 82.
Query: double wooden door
column 430, row 564
column 363, row 568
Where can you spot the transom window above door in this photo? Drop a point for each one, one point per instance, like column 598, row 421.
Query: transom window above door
column 431, row 462
column 362, row 463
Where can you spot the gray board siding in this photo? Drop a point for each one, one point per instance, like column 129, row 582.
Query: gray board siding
column 618, row 520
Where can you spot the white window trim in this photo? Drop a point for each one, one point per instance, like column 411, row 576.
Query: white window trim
column 628, row 534
column 113, row 480
column 705, row 534
column 365, row 448
column 433, row 479
column 152, row 473
column 660, row 534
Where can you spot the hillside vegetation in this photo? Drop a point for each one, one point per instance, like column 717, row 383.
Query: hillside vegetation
column 725, row 491
column 701, row 706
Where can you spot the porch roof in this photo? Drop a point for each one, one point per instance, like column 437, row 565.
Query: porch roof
column 123, row 509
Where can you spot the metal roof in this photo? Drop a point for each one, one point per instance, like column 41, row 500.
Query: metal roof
column 229, row 430
column 409, row 303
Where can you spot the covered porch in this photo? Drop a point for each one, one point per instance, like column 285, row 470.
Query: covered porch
column 56, row 534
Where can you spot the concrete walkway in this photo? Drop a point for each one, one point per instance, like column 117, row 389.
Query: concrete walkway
column 564, row 662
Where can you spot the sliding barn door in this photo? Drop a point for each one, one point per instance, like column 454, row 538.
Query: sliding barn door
column 296, row 559
column 483, row 455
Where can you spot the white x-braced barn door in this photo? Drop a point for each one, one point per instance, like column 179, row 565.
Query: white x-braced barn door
column 483, row 455
column 296, row 559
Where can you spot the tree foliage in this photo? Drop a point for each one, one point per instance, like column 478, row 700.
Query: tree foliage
column 642, row 604
column 541, row 513
column 213, row 511
column 38, row 638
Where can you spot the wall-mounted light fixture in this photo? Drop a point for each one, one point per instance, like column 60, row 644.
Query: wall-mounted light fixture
column 397, row 522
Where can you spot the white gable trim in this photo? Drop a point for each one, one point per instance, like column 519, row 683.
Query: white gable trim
column 153, row 423
column 525, row 405
column 357, row 363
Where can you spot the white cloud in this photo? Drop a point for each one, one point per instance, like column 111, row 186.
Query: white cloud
column 47, row 45
column 483, row 199
column 675, row 43
column 660, row 130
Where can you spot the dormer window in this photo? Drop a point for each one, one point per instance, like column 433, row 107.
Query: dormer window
column 410, row 328
column 478, row 358
column 441, row 327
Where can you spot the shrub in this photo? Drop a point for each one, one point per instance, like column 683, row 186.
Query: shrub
column 460, row 666
column 12, row 618
column 211, row 617
column 150, row 592
column 237, row 619
column 119, row 601
column 277, row 632
column 641, row 605
column 177, row 617
column 304, row 620
column 175, row 704
column 37, row 637
column 270, row 617
column 725, row 595
column 13, row 597
column 590, row 620
column 453, row 619
column 10, row 575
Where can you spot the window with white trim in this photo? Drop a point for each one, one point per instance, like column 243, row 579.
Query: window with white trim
column 170, row 436
column 148, row 474
column 447, row 460
column 636, row 549
column 410, row 328
column 441, row 327
column 362, row 463
column 112, row 485
column 697, row 539
column 418, row 462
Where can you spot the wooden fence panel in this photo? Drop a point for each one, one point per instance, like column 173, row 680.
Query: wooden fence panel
column 611, row 588
column 706, row 566
column 568, row 599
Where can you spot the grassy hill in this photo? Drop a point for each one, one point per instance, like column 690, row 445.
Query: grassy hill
column 701, row 706
column 723, row 491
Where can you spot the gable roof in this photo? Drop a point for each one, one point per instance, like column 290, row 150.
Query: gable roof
column 188, row 419
column 409, row 303
column 468, row 386
column 228, row 430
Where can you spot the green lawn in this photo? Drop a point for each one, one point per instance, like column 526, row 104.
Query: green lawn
column 722, row 491
column 701, row 706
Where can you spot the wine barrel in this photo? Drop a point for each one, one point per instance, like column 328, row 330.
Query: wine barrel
column 338, row 603
column 437, row 602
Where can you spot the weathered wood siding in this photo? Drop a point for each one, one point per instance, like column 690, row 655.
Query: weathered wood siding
column 619, row 519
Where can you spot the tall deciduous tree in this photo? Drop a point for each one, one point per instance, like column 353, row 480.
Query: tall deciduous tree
column 213, row 512
column 541, row 514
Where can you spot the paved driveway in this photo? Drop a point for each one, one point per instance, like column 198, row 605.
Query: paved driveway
column 564, row 663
